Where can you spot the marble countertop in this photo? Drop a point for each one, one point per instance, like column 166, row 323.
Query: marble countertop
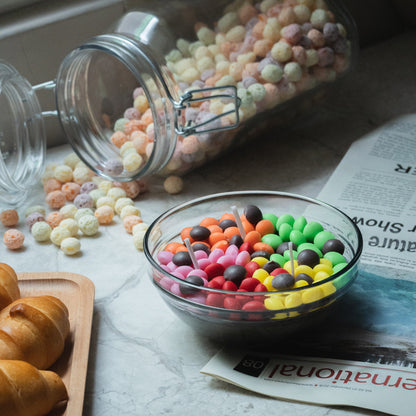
column 143, row 360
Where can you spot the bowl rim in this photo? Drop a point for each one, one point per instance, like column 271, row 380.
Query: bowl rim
column 211, row 197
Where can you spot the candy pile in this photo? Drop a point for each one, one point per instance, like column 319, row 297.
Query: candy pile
column 253, row 252
column 270, row 50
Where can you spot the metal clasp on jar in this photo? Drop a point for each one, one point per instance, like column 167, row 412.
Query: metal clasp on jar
column 227, row 94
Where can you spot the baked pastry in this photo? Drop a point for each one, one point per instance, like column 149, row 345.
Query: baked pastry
column 9, row 289
column 34, row 329
column 27, row 391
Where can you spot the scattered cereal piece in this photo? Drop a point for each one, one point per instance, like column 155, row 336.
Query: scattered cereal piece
column 116, row 193
column 142, row 226
column 51, row 185
column 68, row 210
column 41, row 231
column 33, row 218
column 84, row 201
column 56, row 199
column 89, row 225
column 81, row 212
column 129, row 210
column 121, row 203
column 71, row 160
column 71, row 225
column 173, row 184
column 35, row 208
column 138, row 238
column 71, row 190
column 130, row 221
column 9, row 217
column 104, row 214
column 70, row 246
column 58, row 234
column 105, row 200
column 13, row 239
column 54, row 219
column 63, row 173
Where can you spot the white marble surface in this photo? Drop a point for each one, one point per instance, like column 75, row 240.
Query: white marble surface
column 143, row 360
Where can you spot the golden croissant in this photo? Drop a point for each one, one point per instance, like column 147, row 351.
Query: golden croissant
column 27, row 391
column 9, row 289
column 34, row 329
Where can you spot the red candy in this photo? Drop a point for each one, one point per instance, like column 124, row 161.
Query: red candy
column 230, row 302
column 254, row 305
column 277, row 271
column 249, row 284
column 229, row 285
column 216, row 300
column 251, row 267
column 213, row 270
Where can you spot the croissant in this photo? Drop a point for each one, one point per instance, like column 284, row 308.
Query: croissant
column 27, row 391
column 34, row 329
column 9, row 289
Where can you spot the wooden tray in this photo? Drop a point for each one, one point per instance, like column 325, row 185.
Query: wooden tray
column 77, row 292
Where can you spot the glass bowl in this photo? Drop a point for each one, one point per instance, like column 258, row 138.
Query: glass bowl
column 270, row 315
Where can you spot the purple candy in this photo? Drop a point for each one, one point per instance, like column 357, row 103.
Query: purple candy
column 132, row 114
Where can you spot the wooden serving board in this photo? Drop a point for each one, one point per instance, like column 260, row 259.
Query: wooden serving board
column 77, row 292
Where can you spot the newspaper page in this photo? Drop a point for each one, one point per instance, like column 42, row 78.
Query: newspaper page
column 364, row 355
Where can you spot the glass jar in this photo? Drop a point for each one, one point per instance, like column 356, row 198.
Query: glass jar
column 175, row 85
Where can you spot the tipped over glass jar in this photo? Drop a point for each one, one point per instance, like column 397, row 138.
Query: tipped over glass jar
column 175, row 85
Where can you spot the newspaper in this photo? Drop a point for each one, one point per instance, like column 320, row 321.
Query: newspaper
column 365, row 354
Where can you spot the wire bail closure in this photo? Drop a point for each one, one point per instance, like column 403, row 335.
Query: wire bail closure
column 186, row 128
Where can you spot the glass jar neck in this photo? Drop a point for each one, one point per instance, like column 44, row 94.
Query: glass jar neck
column 86, row 79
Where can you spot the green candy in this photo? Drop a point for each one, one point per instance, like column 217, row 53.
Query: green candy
column 311, row 229
column 309, row 246
column 339, row 267
column 299, row 223
column 271, row 217
column 297, row 237
column 322, row 237
column 273, row 240
column 285, row 219
column 335, row 258
column 284, row 231
column 286, row 255
column 278, row 258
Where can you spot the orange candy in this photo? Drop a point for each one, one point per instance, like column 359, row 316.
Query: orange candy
column 206, row 222
column 230, row 231
column 260, row 246
column 253, row 237
column 172, row 247
column 265, row 227
column 215, row 229
column 222, row 244
column 215, row 237
column 186, row 233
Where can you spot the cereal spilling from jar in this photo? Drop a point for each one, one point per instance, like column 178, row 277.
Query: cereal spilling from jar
column 270, row 51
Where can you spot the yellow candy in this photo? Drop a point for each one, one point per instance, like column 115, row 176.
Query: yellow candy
column 321, row 276
column 288, row 267
column 274, row 302
column 301, row 283
column 328, row 288
column 312, row 295
column 293, row 300
column 261, row 275
column 304, row 269
column 323, row 260
column 268, row 283
column 323, row 268
column 261, row 261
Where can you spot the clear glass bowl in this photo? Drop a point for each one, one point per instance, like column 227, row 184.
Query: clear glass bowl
column 252, row 326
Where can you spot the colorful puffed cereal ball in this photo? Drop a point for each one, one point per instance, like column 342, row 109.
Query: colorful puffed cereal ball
column 41, row 231
column 56, row 199
column 89, row 225
column 104, row 214
column 70, row 246
column 13, row 239
column 9, row 218
column 173, row 184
